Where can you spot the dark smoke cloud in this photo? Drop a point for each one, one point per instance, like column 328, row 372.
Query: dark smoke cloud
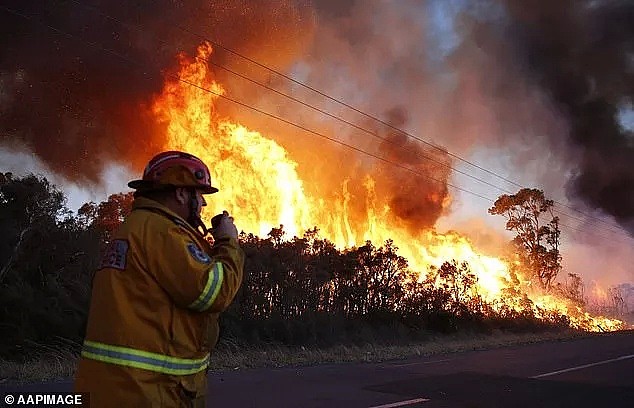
column 581, row 54
column 77, row 107
column 418, row 200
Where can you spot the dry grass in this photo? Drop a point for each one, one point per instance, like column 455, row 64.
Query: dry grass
column 233, row 357
column 47, row 364
column 51, row 364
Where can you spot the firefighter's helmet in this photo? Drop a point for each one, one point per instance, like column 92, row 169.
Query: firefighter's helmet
column 175, row 169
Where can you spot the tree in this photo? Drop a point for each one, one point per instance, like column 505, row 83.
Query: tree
column 457, row 279
column 537, row 240
column 46, row 263
column 617, row 303
column 383, row 271
column 29, row 207
column 572, row 289
column 106, row 216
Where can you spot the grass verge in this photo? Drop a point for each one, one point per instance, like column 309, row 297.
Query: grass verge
column 229, row 356
column 59, row 364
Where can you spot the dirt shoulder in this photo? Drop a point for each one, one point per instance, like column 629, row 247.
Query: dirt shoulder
column 59, row 365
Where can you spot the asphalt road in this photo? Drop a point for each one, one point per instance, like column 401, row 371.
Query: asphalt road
column 589, row 372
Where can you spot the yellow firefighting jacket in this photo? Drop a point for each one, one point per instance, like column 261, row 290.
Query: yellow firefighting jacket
column 154, row 311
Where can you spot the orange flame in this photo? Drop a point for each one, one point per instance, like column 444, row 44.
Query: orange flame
column 260, row 186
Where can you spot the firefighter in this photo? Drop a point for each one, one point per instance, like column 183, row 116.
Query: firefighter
column 158, row 292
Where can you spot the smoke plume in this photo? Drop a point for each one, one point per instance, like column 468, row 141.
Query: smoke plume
column 580, row 55
column 75, row 94
column 418, row 201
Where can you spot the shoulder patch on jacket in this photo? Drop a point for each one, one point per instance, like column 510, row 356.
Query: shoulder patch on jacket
column 197, row 253
column 116, row 255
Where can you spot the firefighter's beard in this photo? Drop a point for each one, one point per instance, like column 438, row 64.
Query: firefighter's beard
column 195, row 208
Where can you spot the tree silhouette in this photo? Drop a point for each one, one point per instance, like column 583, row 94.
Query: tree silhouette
column 537, row 240
column 106, row 216
column 29, row 208
column 46, row 261
column 458, row 280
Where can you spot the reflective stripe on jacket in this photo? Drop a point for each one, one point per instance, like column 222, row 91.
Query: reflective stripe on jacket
column 129, row 357
column 211, row 290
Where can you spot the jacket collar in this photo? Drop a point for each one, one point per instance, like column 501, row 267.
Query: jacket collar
column 143, row 203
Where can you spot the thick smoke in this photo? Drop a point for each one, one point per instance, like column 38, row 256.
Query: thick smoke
column 581, row 54
column 420, row 197
column 78, row 107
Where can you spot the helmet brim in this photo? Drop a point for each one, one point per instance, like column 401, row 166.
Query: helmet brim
column 208, row 190
column 140, row 184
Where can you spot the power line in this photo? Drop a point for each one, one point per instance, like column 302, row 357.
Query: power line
column 279, row 118
column 369, row 116
column 613, row 231
column 141, row 29
column 125, row 58
column 402, row 146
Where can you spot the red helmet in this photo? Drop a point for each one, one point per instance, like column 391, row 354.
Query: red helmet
column 177, row 169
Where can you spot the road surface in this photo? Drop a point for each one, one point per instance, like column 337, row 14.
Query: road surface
column 589, row 372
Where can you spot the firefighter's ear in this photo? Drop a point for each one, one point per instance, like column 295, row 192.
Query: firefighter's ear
column 181, row 195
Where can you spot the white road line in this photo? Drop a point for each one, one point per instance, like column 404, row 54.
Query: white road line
column 584, row 366
column 419, row 363
column 401, row 403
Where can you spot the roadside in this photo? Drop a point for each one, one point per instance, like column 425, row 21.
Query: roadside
column 56, row 365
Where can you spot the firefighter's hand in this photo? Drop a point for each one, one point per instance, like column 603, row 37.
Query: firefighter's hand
column 222, row 226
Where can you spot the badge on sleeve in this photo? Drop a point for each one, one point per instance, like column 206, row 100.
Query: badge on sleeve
column 115, row 255
column 198, row 254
